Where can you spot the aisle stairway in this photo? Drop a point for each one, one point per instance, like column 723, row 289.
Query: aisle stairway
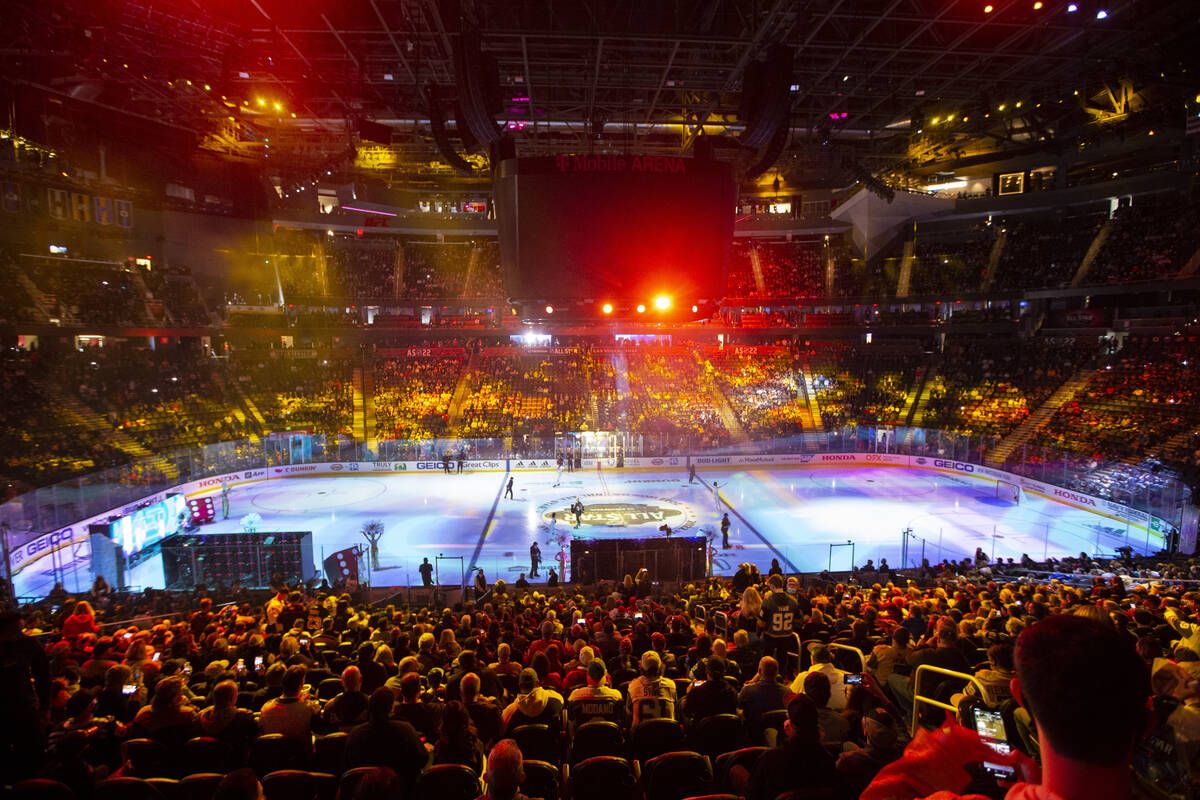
column 904, row 282
column 369, row 423
column 35, row 295
column 914, row 393
column 79, row 416
column 1038, row 419
column 917, row 414
column 1090, row 256
column 229, row 385
column 459, row 398
column 811, row 419
column 760, row 283
column 359, row 424
column 143, row 292
column 1192, row 265
column 993, row 263
column 593, row 419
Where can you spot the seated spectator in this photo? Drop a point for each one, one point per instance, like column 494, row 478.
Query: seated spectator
column 425, row 717
column 996, row 678
column 349, row 706
column 940, row 651
column 885, row 656
column 168, row 718
column 762, row 693
column 822, row 663
column 650, row 695
column 711, row 696
column 273, row 688
column 458, row 743
column 505, row 771
column 1086, row 688
column 467, row 663
column 859, row 767
column 227, row 723
column 534, row 704
column 93, row 670
column 385, row 742
column 291, row 713
column 596, row 676
column 798, row 763
column 484, row 712
column 835, row 727
column 113, row 700
column 82, row 621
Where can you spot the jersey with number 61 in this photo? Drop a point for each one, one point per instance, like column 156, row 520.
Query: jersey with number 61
column 779, row 612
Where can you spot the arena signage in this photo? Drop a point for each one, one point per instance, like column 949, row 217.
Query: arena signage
column 44, row 545
column 958, row 466
column 620, row 511
column 1081, row 499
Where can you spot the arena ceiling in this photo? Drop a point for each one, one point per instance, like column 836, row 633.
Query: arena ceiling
column 586, row 75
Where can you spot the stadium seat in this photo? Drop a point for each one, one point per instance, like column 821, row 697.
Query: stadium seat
column 447, row 782
column 541, row 780
column 717, row 734
column 773, row 721
column 596, row 738
column 655, row 737
column 199, row 786
column 148, row 758
column 169, row 788
column 329, row 753
column 350, row 780
column 745, row 758
column 676, row 775
column 204, row 754
column 603, row 778
column 40, row 789
column 537, row 742
column 295, row 784
column 273, row 752
column 329, row 688
column 127, row 789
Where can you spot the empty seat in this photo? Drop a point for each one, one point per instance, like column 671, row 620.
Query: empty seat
column 274, row 751
column 541, row 780
column 717, row 734
column 677, row 775
column 596, row 738
column 127, row 789
column 447, row 782
column 41, row 789
column 655, row 737
column 602, row 778
column 199, row 786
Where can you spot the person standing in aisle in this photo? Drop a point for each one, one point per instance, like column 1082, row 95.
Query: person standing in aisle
column 535, row 558
column 508, row 492
column 779, row 610
column 725, row 532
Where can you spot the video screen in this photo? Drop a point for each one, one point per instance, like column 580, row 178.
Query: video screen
column 148, row 525
column 612, row 228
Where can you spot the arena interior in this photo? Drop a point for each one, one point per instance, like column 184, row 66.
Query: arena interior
column 455, row 399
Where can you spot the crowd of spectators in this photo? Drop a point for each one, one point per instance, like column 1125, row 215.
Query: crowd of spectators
column 863, row 385
column 988, row 387
column 527, row 395
column 763, row 390
column 412, row 396
column 793, row 269
column 298, row 394
column 628, row 684
column 1134, row 405
column 951, row 261
column 1044, row 250
column 671, row 394
column 468, row 270
column 1150, row 240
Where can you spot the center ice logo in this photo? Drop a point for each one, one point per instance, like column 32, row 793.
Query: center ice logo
column 622, row 511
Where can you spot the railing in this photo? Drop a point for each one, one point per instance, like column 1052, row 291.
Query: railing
column 51, row 507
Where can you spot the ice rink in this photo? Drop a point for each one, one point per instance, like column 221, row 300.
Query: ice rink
column 794, row 515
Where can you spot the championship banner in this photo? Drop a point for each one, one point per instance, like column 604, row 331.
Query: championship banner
column 104, row 210
column 57, row 207
column 81, row 207
column 124, row 213
column 12, row 197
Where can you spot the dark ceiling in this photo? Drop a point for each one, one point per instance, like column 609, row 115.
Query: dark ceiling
column 584, row 74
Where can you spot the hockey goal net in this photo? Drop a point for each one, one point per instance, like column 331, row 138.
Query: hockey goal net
column 1008, row 491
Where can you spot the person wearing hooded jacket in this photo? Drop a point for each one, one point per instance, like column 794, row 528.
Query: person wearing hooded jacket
column 534, row 704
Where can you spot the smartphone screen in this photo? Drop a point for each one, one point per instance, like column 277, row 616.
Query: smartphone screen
column 258, row 662
column 129, row 688
column 854, row 678
column 990, row 727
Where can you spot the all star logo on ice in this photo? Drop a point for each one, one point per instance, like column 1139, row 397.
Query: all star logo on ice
column 621, row 510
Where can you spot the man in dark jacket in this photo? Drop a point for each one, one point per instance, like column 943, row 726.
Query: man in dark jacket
column 713, row 696
column 385, row 742
column 25, row 698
